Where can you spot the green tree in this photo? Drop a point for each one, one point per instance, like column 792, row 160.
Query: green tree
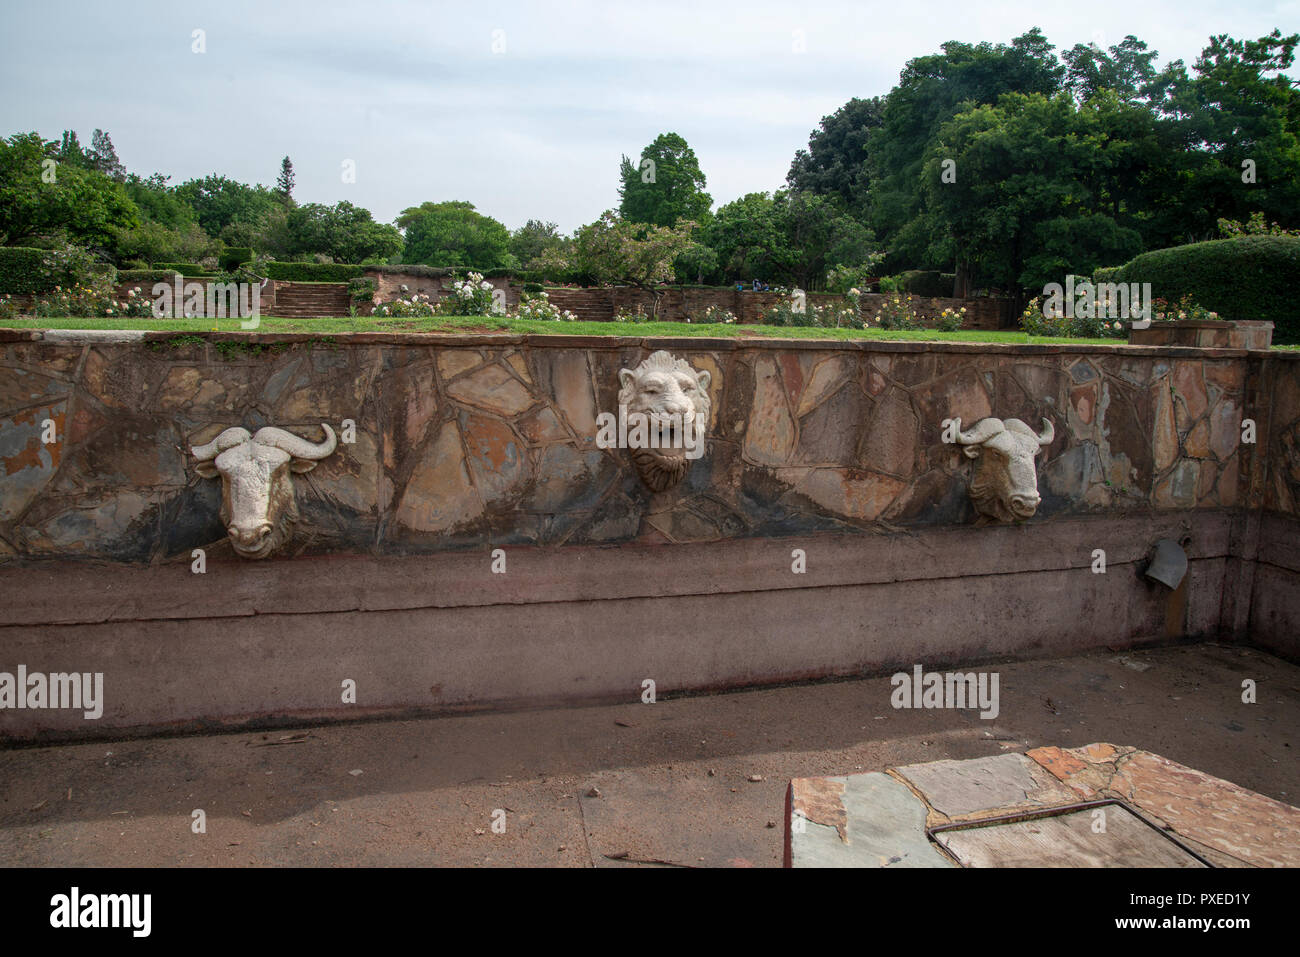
column 931, row 90
column 284, row 182
column 49, row 203
column 748, row 237
column 531, row 240
column 454, row 234
column 666, row 186
column 788, row 237
column 218, row 201
column 1238, row 106
column 344, row 232
column 1126, row 69
column 834, row 164
column 614, row 251
column 103, row 157
column 1043, row 187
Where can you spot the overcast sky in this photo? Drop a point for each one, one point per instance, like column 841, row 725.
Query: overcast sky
column 416, row 95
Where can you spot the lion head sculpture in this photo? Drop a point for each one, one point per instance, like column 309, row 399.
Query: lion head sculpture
column 674, row 397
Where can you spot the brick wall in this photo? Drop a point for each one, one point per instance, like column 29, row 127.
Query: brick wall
column 749, row 307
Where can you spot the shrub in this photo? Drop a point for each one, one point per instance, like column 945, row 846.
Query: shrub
column 312, row 272
column 713, row 314
column 784, row 313
column 1183, row 308
column 836, row 316
column 416, row 306
column 533, row 287
column 232, row 257
column 412, row 269
column 22, row 270
column 950, row 320
column 1251, row 277
column 362, row 290
column 1035, row 323
column 185, row 269
column 98, row 297
column 469, row 297
column 538, row 306
column 897, row 312
column 625, row 314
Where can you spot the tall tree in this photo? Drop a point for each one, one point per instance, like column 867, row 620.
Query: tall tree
column 344, row 232
column 1126, row 69
column 454, row 234
column 104, row 157
column 74, row 203
column 666, row 187
column 834, row 164
column 532, row 239
column 1241, row 110
column 930, row 91
column 284, row 182
column 219, row 201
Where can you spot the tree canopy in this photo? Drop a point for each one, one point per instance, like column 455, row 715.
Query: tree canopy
column 666, row 186
column 454, row 234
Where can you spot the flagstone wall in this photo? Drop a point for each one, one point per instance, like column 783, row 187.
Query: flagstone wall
column 470, row 441
column 827, row 530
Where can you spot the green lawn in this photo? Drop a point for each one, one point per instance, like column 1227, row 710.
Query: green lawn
column 495, row 324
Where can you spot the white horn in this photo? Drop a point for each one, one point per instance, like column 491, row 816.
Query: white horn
column 984, row 430
column 1045, row 437
column 295, row 445
column 226, row 440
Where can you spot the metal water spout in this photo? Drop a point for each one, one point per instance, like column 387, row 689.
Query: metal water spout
column 1169, row 564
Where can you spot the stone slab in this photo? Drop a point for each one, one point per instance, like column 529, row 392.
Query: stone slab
column 862, row 820
column 1067, row 840
column 959, row 789
column 1250, row 827
column 1214, row 820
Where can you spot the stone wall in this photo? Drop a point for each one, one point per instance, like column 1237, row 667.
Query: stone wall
column 435, row 287
column 468, row 444
column 464, row 441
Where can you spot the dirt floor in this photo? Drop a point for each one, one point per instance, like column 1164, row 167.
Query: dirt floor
column 695, row 781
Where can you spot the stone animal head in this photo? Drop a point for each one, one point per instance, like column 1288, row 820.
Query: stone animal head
column 257, row 502
column 1005, row 486
column 670, row 392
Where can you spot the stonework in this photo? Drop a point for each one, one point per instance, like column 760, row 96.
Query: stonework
column 464, row 441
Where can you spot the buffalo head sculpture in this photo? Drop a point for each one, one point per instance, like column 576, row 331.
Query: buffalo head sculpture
column 1005, row 486
column 257, row 502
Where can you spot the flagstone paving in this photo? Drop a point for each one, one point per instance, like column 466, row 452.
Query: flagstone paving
column 1227, row 825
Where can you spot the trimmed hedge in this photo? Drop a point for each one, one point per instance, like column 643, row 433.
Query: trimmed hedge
column 232, row 257
column 1251, row 277
column 312, row 272
column 145, row 275
column 185, row 269
column 21, row 271
column 413, row 269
